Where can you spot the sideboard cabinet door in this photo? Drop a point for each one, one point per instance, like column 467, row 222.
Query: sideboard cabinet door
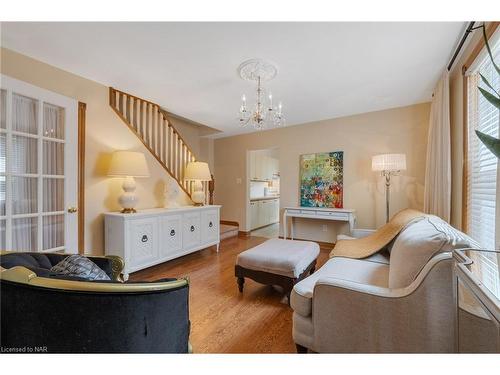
column 209, row 226
column 191, row 234
column 171, row 230
column 143, row 242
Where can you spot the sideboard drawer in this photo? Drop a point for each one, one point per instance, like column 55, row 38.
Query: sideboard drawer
column 191, row 233
column 210, row 225
column 171, row 230
column 335, row 215
column 143, row 241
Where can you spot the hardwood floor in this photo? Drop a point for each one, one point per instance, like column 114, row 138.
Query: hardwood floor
column 223, row 320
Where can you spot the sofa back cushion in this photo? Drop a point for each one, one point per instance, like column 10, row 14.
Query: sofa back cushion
column 417, row 243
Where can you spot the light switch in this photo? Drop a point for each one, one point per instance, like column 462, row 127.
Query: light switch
column 238, row 180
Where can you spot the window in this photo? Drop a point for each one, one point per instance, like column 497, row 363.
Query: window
column 482, row 179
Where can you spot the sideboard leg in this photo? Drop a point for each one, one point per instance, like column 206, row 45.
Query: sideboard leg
column 218, row 244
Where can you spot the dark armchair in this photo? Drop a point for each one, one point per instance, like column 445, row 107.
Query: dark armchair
column 57, row 315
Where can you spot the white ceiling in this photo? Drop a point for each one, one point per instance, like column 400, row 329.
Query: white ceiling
column 325, row 70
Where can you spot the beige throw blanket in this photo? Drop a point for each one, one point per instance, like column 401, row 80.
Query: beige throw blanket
column 369, row 245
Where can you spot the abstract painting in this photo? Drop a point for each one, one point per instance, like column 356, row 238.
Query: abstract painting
column 321, row 179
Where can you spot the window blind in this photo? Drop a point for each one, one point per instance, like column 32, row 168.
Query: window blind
column 482, row 164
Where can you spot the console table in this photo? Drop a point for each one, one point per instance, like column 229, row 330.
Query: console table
column 336, row 214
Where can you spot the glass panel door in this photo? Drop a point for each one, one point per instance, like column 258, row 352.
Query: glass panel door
column 37, row 169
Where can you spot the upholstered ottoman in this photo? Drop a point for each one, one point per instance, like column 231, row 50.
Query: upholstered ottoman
column 277, row 262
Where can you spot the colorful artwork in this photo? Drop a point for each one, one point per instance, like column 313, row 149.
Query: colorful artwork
column 321, row 179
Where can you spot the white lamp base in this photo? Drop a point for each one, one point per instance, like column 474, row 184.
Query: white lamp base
column 198, row 196
column 128, row 200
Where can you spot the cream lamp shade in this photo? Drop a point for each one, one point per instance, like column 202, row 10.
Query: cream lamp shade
column 128, row 164
column 389, row 162
column 197, row 171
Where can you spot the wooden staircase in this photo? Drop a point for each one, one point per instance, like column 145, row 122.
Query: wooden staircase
column 150, row 124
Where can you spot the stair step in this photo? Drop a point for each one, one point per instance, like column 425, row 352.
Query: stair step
column 227, row 231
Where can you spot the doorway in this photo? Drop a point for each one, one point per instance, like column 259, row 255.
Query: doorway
column 264, row 192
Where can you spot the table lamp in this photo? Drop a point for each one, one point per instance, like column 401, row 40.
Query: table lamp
column 197, row 171
column 128, row 164
column 388, row 165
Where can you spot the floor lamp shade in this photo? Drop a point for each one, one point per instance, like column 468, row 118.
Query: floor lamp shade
column 197, row 171
column 128, row 164
column 388, row 165
column 389, row 162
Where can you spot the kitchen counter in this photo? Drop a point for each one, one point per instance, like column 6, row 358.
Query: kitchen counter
column 264, row 198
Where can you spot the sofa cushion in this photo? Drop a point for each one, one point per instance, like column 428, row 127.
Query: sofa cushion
column 30, row 261
column 358, row 270
column 282, row 257
column 418, row 243
column 81, row 267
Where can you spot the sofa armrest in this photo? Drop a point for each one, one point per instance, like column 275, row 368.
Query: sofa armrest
column 111, row 264
column 360, row 233
column 352, row 317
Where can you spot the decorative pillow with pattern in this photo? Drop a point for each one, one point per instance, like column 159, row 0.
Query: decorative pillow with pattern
column 80, row 266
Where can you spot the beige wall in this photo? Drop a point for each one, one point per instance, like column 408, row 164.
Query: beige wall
column 105, row 133
column 360, row 137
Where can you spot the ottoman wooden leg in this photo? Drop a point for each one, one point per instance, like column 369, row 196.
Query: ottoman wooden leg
column 301, row 349
column 241, row 281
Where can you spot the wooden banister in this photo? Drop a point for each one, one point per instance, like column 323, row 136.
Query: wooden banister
column 150, row 123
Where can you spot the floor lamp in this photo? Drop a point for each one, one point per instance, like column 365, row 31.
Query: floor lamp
column 388, row 165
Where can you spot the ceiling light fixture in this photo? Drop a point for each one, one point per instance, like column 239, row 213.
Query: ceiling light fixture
column 264, row 113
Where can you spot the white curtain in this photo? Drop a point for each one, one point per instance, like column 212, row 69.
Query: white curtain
column 437, row 192
column 25, row 162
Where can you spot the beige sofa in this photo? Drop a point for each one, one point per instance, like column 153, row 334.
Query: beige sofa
column 398, row 300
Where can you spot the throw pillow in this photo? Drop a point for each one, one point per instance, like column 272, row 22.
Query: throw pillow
column 79, row 266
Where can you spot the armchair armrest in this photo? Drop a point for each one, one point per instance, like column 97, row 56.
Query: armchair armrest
column 353, row 317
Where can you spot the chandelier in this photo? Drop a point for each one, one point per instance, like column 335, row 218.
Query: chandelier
column 263, row 113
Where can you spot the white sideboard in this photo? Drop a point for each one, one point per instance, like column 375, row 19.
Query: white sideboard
column 153, row 236
column 321, row 213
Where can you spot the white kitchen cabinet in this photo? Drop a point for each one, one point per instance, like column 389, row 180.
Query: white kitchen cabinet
column 263, row 167
column 264, row 212
column 253, row 165
column 254, row 214
column 275, row 211
column 156, row 235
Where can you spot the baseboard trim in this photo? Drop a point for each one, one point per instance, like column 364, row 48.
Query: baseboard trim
column 243, row 233
column 329, row 245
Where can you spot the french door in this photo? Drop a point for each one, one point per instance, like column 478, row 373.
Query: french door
column 38, row 168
